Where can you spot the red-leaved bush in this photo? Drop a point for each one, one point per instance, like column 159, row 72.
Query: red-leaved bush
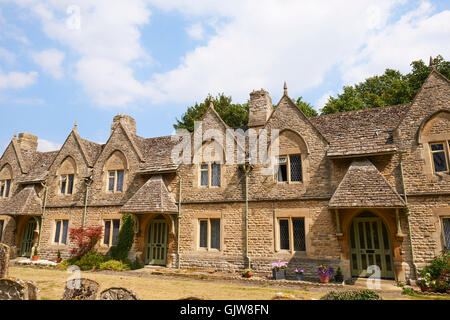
column 85, row 239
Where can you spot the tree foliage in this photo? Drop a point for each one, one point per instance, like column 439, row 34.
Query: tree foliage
column 85, row 239
column 125, row 240
column 391, row 88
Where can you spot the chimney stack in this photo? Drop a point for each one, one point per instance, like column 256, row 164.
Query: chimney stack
column 27, row 141
column 127, row 121
column 260, row 108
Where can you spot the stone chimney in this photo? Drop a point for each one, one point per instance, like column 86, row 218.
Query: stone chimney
column 127, row 121
column 260, row 108
column 27, row 141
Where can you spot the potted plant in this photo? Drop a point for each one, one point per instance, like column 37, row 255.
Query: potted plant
column 324, row 273
column 247, row 273
column 58, row 255
column 424, row 281
column 279, row 270
column 339, row 277
column 35, row 256
column 299, row 274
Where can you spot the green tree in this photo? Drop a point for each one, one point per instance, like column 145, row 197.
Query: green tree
column 391, row 88
column 234, row 115
column 125, row 241
column 306, row 107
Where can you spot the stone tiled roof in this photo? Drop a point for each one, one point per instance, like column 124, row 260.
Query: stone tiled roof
column 92, row 150
column 361, row 132
column 39, row 171
column 25, row 202
column 157, row 153
column 153, row 196
column 364, row 186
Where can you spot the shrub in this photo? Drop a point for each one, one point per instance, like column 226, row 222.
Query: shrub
column 114, row 265
column 126, row 238
column 437, row 274
column 85, row 239
column 352, row 295
column 89, row 261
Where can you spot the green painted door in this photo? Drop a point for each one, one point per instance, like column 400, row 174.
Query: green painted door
column 28, row 238
column 157, row 236
column 370, row 245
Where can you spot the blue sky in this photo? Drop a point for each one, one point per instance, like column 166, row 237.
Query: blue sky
column 79, row 60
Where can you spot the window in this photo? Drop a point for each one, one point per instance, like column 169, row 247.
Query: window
column 209, row 234
column 440, row 156
column 115, row 182
column 61, row 229
column 289, row 168
column 446, row 231
column 5, row 186
column 210, row 175
column 67, row 183
column 111, row 232
column 292, row 234
column 2, row 222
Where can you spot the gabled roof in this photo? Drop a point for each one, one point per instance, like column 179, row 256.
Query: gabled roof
column 363, row 186
column 153, row 196
column 361, row 132
column 39, row 168
column 157, row 153
column 26, row 202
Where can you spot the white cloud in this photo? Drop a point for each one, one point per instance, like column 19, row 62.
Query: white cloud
column 322, row 101
column 17, row 80
column 45, row 145
column 196, row 31
column 7, row 56
column 50, row 61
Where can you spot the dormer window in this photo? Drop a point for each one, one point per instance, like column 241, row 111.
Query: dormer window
column 67, row 184
column 210, row 174
column 5, row 181
column 440, row 156
column 115, row 181
column 289, row 168
column 5, row 186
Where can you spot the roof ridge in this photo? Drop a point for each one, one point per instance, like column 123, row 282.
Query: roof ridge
column 360, row 111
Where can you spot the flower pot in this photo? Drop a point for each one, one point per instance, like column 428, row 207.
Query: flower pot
column 279, row 274
column 299, row 277
column 58, row 260
column 324, row 278
column 424, row 288
column 339, row 278
column 34, row 258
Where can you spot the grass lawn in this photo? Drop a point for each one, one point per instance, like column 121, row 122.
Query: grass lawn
column 52, row 282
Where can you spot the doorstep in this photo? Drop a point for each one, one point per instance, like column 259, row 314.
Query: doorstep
column 385, row 285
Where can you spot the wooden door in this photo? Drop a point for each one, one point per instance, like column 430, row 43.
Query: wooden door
column 28, row 238
column 370, row 245
column 157, row 237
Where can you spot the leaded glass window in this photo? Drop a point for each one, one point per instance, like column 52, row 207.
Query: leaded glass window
column 61, row 230
column 204, row 175
column 215, row 174
column 67, row 183
column 439, row 157
column 282, row 169
column 215, row 233
column 115, row 181
column 115, row 233
column 203, row 234
column 446, row 223
column 111, row 235
column 284, row 234
column 298, row 226
column 107, row 232
column 5, row 186
column 1, row 229
column 296, row 167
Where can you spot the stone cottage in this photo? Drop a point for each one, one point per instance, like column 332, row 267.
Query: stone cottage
column 354, row 189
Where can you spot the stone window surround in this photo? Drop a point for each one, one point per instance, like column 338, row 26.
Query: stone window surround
column 61, row 232
column 5, row 175
column 107, row 168
column 446, row 144
column 53, row 230
column 199, row 178
column 196, row 232
column 438, row 235
column 64, row 170
column 102, row 240
column 67, row 184
column 116, row 179
column 288, row 168
column 292, row 213
column 7, row 188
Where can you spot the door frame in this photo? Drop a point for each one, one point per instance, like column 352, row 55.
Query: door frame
column 385, row 274
column 25, row 231
column 148, row 240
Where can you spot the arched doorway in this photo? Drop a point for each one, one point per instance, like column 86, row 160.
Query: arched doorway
column 28, row 238
column 370, row 245
column 157, row 241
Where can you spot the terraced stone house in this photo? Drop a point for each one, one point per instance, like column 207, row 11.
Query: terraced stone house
column 353, row 189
